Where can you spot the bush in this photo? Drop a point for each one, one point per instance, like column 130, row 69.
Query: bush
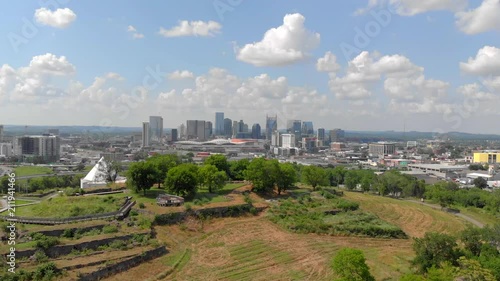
column 46, row 272
column 188, row 207
column 141, row 205
column 118, row 244
column 134, row 213
column 247, row 198
column 40, row 257
column 145, row 223
column 44, row 242
column 109, row 229
column 68, row 233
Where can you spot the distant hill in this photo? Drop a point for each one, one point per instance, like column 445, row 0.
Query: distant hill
column 363, row 136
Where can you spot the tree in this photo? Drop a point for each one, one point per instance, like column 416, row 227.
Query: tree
column 351, row 179
column 350, row 265
column 220, row 162
column 336, row 175
column 287, row 177
column 237, row 169
column 162, row 164
column 434, row 249
column 183, row 180
column 314, row 176
column 261, row 174
column 472, row 270
column 480, row 183
column 472, row 238
column 212, row 178
column 112, row 170
column 80, row 167
column 4, row 184
column 141, row 176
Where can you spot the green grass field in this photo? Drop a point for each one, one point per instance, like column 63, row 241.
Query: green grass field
column 63, row 207
column 31, row 170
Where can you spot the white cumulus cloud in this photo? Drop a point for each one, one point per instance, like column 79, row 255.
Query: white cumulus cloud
column 484, row 18
column 328, row 63
column 192, row 28
column 286, row 44
column 180, row 74
column 486, row 62
column 60, row 18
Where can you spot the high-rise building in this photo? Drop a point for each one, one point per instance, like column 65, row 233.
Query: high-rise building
column 307, row 128
column 1, row 133
column 295, row 127
column 6, row 149
column 197, row 130
column 145, row 134
column 337, row 135
column 208, row 130
column 276, row 138
column 228, row 127
column 236, row 128
column 321, row 134
column 241, row 127
column 45, row 146
column 245, row 128
column 382, row 148
column 288, row 140
column 182, row 131
column 256, row 131
column 191, row 129
column 174, row 135
column 156, row 128
column 219, row 123
column 271, row 126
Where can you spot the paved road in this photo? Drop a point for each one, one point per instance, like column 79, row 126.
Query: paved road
column 465, row 217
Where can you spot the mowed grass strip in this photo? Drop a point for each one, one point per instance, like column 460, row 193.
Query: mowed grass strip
column 414, row 219
column 32, row 170
column 63, row 207
column 251, row 258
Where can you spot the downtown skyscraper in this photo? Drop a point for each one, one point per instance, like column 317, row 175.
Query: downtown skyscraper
column 219, row 123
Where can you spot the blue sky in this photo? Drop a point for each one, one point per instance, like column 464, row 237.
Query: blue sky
column 85, row 63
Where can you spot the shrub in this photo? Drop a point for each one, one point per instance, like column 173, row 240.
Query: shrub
column 134, row 213
column 109, row 229
column 247, row 198
column 44, row 242
column 68, row 233
column 141, row 205
column 188, row 206
column 47, row 271
column 118, row 244
column 40, row 257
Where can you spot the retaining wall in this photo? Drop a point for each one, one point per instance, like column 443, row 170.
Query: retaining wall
column 62, row 250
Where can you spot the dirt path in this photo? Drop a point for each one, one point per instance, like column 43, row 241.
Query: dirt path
column 465, row 217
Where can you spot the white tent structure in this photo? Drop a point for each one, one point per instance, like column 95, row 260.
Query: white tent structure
column 96, row 176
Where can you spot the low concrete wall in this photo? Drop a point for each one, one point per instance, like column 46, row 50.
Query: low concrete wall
column 59, row 232
column 124, row 265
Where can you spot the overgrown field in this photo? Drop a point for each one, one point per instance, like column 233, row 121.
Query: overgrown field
column 328, row 214
column 413, row 218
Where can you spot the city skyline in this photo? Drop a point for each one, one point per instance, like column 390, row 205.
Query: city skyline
column 361, row 65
